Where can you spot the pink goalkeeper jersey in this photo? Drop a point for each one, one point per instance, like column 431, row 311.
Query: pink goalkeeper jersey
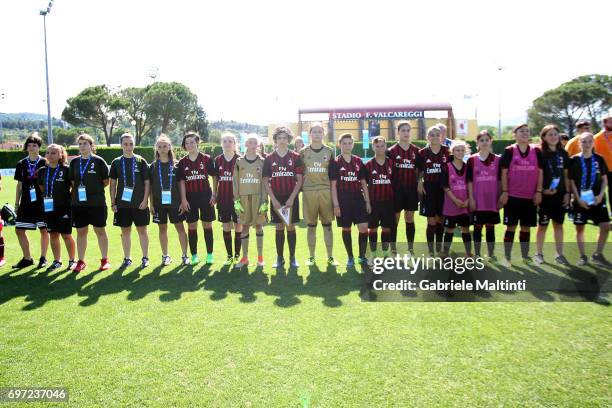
column 485, row 183
column 458, row 185
column 523, row 173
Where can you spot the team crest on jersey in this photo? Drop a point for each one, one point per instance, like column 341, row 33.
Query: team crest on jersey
column 342, row 169
column 257, row 169
column 374, row 172
column 220, row 167
column 398, row 157
column 274, row 163
column 428, row 161
column 201, row 166
column 357, row 167
column 290, row 162
column 324, row 158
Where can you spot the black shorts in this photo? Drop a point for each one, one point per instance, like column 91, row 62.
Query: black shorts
column 162, row 215
column 226, row 213
column 200, row 208
column 433, row 201
column 125, row 217
column 520, row 210
column 295, row 210
column 382, row 214
column 59, row 220
column 30, row 216
column 485, row 217
column 551, row 208
column 462, row 220
column 352, row 210
column 597, row 214
column 404, row 199
column 84, row 216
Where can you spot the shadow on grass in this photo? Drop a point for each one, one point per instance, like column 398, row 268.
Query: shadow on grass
column 286, row 286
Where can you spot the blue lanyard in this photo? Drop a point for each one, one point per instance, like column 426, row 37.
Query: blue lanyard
column 49, row 187
column 583, row 182
column 32, row 167
column 133, row 171
column 83, row 169
column 554, row 171
column 161, row 182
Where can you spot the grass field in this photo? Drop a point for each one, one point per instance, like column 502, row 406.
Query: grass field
column 213, row 336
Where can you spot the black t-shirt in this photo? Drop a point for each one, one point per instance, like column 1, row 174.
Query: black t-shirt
column 575, row 172
column 156, row 188
column 554, row 165
column 59, row 188
column 136, row 172
column 94, row 174
column 26, row 172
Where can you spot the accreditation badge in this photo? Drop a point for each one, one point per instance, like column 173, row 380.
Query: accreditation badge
column 127, row 194
column 588, row 197
column 166, row 197
column 82, row 193
column 48, row 204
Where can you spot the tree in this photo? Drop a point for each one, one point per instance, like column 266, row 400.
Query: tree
column 137, row 111
column 170, row 104
column 65, row 137
column 198, row 123
column 96, row 107
column 588, row 96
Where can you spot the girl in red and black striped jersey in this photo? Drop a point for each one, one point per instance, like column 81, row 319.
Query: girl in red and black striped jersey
column 282, row 177
column 432, row 161
column 223, row 181
column 197, row 198
column 405, row 176
column 380, row 178
column 350, row 197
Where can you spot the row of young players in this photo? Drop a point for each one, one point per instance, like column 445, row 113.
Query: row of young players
column 447, row 188
column 527, row 181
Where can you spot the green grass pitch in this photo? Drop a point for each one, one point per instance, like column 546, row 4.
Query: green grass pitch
column 213, row 336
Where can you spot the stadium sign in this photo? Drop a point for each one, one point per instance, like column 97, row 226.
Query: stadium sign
column 378, row 114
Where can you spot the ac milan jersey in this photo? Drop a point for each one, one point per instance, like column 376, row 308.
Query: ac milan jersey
column 432, row 164
column 380, row 177
column 195, row 173
column 224, row 172
column 348, row 175
column 405, row 164
column 282, row 172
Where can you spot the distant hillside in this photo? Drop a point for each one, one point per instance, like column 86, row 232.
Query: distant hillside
column 24, row 116
column 223, row 125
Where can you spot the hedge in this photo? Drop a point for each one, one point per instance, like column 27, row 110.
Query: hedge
column 9, row 158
